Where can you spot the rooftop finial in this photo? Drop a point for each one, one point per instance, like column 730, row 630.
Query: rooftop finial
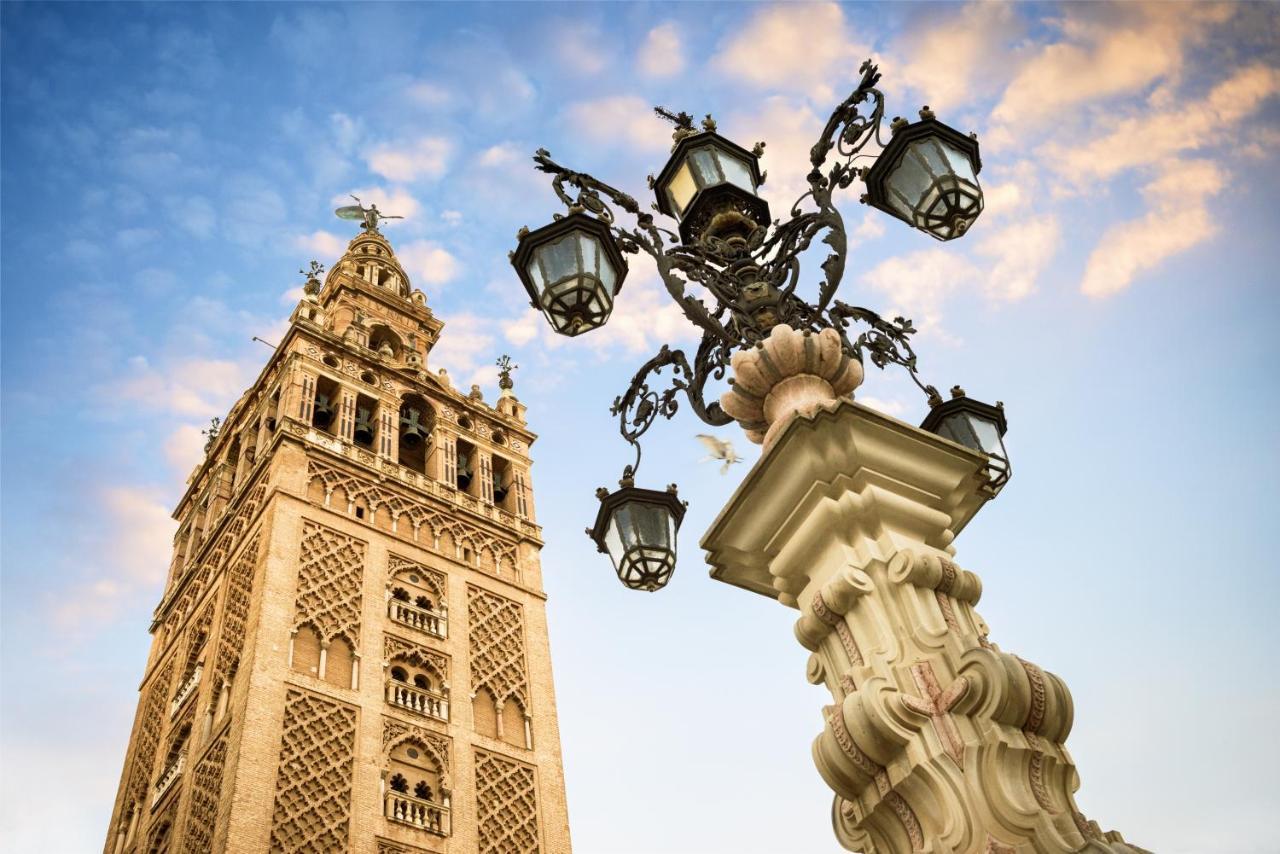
column 505, row 367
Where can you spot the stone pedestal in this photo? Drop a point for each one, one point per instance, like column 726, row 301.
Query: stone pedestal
column 936, row 740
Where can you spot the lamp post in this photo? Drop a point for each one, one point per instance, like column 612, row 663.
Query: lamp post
column 937, row 740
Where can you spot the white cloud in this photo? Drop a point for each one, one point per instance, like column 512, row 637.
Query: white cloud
column 133, row 555
column 395, row 201
column 184, row 448
column 960, row 48
column 451, row 217
column 502, row 154
column 579, row 45
column 662, row 54
column 186, row 387
column 132, row 238
column 426, row 157
column 428, row 94
column 196, row 216
column 428, row 263
column 1153, row 136
column 800, row 47
column 917, row 285
column 465, row 348
column 620, row 120
column 1177, row 220
column 896, row 408
column 325, row 244
column 1106, row 51
column 1021, row 251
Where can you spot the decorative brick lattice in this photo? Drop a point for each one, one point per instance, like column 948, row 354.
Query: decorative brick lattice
column 235, row 613
column 507, row 806
column 496, row 629
column 414, row 519
column 398, row 649
column 154, row 712
column 206, row 788
column 313, row 785
column 329, row 578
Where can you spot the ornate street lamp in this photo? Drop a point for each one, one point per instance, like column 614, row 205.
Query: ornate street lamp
column 976, row 425
column 725, row 244
column 927, row 177
column 637, row 529
column 572, row 270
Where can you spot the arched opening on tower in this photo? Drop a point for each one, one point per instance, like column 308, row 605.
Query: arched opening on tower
column 366, row 429
column 324, row 414
column 417, row 422
column 385, row 342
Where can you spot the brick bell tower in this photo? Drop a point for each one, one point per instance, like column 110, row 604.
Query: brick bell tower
column 351, row 651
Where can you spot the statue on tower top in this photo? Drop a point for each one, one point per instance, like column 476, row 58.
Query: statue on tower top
column 369, row 215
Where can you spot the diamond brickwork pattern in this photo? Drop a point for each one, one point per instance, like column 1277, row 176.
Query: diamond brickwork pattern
column 313, row 785
column 506, row 806
column 153, row 716
column 235, row 614
column 495, row 627
column 329, row 580
column 206, row 788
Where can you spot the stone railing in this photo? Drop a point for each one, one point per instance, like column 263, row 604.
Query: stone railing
column 432, row 622
column 188, row 688
column 415, row 812
column 168, row 778
column 423, row 702
column 396, row 472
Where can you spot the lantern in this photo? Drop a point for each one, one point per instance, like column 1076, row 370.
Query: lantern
column 637, row 529
column 572, row 270
column 976, row 425
column 709, row 185
column 927, row 176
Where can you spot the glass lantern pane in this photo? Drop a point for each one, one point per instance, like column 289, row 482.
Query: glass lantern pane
column 737, row 172
column 608, row 276
column 960, row 164
column 590, row 249
column 928, row 151
column 956, row 428
column 910, row 179
column 704, row 164
column 681, row 188
column 559, row 259
column 613, row 541
column 987, row 435
column 535, row 272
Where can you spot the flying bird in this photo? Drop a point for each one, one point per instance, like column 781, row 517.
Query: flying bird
column 719, row 450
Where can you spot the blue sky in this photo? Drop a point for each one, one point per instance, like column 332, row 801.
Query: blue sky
column 167, row 168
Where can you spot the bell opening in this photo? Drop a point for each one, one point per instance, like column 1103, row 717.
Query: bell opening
column 416, row 421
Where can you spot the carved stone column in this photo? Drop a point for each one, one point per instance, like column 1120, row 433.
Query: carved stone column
column 936, row 740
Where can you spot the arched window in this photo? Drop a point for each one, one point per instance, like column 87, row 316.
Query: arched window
column 417, row 422
column 386, row 342
column 399, row 674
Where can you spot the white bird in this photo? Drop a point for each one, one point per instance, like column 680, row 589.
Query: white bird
column 719, row 450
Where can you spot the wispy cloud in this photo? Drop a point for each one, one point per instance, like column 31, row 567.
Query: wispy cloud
column 620, row 120
column 662, row 52
column 425, row 158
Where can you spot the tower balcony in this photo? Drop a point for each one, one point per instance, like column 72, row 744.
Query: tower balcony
column 415, row 812
column 168, row 778
column 417, row 700
column 434, row 623
column 188, row 688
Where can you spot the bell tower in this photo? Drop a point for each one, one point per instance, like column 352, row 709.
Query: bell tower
column 351, row 650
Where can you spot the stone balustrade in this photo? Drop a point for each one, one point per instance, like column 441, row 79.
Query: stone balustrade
column 418, row 700
column 168, row 778
column 188, row 688
column 434, row 623
column 416, row 812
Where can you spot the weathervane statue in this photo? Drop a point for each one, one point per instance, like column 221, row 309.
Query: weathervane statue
column 369, row 215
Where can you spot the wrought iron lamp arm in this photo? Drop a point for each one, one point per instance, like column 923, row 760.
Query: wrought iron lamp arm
column 646, row 237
